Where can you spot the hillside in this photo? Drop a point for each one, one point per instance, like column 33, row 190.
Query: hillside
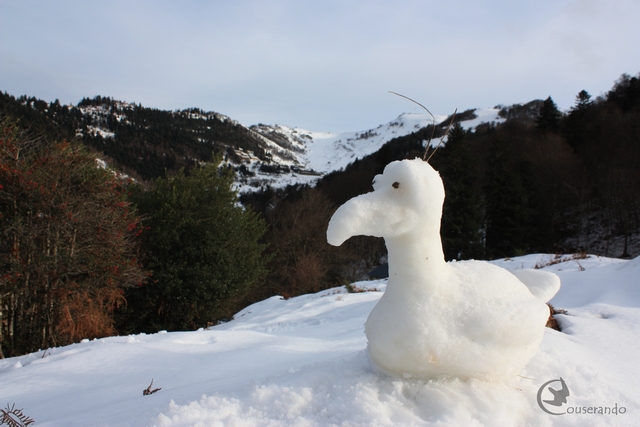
column 145, row 142
column 141, row 142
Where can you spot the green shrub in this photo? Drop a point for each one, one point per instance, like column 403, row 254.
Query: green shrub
column 202, row 247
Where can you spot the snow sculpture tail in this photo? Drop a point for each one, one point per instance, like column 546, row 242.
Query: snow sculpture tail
column 542, row 284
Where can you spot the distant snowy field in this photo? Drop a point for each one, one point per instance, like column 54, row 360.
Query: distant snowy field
column 302, row 362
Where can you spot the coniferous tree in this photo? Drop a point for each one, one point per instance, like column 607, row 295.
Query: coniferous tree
column 583, row 101
column 549, row 116
column 575, row 125
column 202, row 248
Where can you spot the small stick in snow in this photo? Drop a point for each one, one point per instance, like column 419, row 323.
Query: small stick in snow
column 14, row 417
column 147, row 391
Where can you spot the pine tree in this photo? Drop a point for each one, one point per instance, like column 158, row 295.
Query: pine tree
column 203, row 249
column 549, row 116
column 583, row 101
column 575, row 126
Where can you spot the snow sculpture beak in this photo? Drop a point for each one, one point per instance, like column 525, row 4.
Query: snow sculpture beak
column 347, row 221
column 370, row 214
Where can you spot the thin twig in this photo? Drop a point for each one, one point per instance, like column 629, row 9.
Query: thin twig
column 433, row 128
column 415, row 102
column 443, row 136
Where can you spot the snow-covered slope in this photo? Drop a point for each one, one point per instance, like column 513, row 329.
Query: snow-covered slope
column 301, row 362
column 325, row 152
column 307, row 155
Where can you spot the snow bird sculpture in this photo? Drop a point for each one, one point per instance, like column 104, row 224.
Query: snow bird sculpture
column 467, row 319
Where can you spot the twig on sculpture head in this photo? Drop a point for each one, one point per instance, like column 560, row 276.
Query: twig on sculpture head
column 433, row 128
column 441, row 139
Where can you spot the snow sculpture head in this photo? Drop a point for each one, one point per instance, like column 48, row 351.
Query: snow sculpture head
column 466, row 319
column 407, row 194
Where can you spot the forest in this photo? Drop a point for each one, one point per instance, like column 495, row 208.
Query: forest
column 86, row 253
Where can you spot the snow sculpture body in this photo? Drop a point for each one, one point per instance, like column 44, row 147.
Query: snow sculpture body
column 468, row 319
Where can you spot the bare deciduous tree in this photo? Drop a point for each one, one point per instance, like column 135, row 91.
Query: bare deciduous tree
column 67, row 243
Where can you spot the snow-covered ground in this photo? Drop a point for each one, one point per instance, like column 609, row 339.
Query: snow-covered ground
column 302, row 362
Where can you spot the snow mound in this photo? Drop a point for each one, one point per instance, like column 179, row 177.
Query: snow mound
column 348, row 393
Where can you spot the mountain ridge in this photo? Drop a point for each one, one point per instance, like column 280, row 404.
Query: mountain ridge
column 146, row 143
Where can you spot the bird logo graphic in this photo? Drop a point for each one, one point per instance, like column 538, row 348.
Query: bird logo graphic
column 559, row 396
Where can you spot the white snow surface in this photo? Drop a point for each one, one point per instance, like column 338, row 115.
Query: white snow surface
column 301, row 362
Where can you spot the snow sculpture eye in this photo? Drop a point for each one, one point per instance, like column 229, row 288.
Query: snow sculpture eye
column 395, row 185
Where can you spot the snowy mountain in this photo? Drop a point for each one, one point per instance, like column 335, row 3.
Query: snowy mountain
column 300, row 156
column 302, row 362
column 145, row 142
column 289, row 156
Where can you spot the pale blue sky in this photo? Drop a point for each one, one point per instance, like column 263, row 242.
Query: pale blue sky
column 320, row 65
